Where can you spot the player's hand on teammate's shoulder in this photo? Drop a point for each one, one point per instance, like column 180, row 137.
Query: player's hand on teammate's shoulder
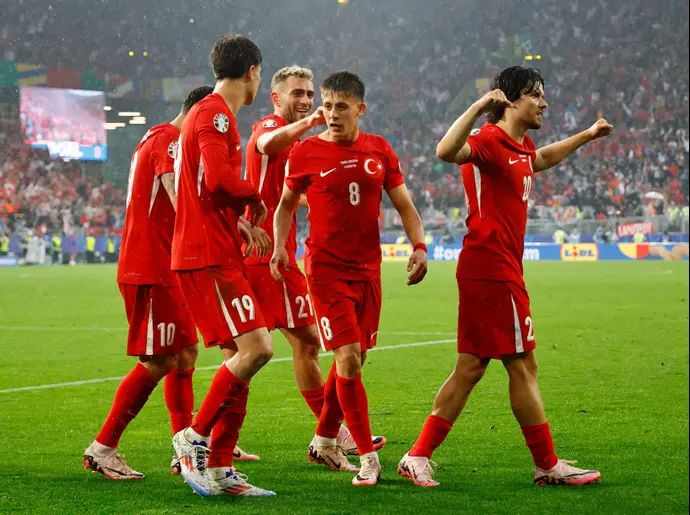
column 600, row 128
column 493, row 100
column 279, row 257
column 317, row 118
column 257, row 212
column 262, row 241
column 417, row 267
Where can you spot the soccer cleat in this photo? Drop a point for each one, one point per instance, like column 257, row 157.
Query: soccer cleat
column 235, row 484
column 349, row 447
column 333, row 457
column 192, row 456
column 370, row 471
column 419, row 469
column 565, row 474
column 239, row 455
column 112, row 466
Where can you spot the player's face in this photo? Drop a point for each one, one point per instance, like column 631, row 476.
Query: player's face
column 342, row 112
column 254, row 82
column 531, row 107
column 294, row 98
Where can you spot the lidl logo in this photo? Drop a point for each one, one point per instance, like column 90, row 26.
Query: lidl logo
column 579, row 252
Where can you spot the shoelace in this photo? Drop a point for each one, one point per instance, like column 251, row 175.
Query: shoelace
column 201, row 455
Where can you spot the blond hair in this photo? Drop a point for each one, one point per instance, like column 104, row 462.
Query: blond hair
column 290, row 71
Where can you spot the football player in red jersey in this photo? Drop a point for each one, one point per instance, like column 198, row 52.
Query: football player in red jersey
column 208, row 260
column 498, row 163
column 343, row 172
column 161, row 329
column 287, row 305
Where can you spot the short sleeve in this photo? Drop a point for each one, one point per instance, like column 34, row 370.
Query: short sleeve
column 164, row 154
column 296, row 175
column 394, row 176
column 479, row 146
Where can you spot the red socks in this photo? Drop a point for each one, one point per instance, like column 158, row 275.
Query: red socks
column 331, row 415
column 353, row 401
column 226, row 432
column 224, row 388
column 538, row 439
column 433, row 434
column 179, row 397
column 130, row 396
column 314, row 400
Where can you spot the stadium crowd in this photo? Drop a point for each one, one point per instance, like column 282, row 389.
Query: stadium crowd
column 422, row 67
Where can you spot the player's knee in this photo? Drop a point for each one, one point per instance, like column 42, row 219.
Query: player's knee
column 348, row 364
column 186, row 359
column 263, row 350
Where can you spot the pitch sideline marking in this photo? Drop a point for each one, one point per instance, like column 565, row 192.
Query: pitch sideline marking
column 212, row 367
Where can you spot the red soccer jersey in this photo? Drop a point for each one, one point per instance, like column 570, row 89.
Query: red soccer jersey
column 267, row 174
column 344, row 184
column 498, row 180
column 211, row 193
column 149, row 216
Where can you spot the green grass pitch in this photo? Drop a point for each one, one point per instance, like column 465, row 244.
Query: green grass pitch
column 612, row 342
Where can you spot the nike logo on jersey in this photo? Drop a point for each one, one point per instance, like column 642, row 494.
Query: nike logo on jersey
column 323, row 174
column 238, row 147
column 512, row 162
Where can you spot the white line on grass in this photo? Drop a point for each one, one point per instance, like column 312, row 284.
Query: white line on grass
column 214, row 367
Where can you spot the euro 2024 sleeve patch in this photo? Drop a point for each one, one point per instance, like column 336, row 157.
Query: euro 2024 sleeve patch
column 221, row 122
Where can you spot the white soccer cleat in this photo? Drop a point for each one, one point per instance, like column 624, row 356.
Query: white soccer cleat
column 330, row 456
column 565, row 474
column 235, row 484
column 419, row 469
column 192, row 456
column 349, row 447
column 370, row 471
column 239, row 455
column 112, row 466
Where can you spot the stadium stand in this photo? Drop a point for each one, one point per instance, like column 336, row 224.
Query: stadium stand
column 427, row 69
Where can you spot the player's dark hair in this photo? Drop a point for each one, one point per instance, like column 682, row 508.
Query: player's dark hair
column 514, row 82
column 344, row 82
column 232, row 55
column 194, row 96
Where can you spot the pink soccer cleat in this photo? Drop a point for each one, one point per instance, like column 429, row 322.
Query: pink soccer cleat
column 419, row 469
column 565, row 474
column 239, row 455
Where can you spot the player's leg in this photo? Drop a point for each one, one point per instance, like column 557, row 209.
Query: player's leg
column 528, row 408
column 525, row 398
column 226, row 312
column 147, row 307
column 305, row 359
column 476, row 311
column 131, row 395
column 179, row 390
column 448, row 404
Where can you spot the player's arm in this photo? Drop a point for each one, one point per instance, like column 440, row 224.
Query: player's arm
column 552, row 154
column 282, row 221
column 279, row 139
column 453, row 147
column 220, row 177
column 412, row 223
column 168, row 181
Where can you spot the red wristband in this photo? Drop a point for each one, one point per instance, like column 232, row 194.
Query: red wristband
column 419, row 246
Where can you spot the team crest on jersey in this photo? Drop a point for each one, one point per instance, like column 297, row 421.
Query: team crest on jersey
column 221, row 122
column 172, row 149
column 270, row 124
column 474, row 132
